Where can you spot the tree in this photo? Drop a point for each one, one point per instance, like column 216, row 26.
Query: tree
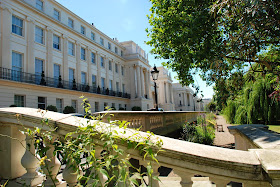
column 215, row 38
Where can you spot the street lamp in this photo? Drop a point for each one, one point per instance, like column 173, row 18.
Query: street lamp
column 155, row 73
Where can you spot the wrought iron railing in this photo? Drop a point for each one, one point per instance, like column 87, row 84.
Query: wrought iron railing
column 18, row 76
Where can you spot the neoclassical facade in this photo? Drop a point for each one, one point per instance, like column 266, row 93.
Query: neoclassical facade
column 50, row 56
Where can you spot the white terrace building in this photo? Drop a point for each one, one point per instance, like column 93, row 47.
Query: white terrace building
column 50, row 56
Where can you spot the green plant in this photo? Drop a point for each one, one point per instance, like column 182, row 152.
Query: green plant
column 202, row 132
column 104, row 147
column 68, row 110
column 136, row 108
column 51, row 108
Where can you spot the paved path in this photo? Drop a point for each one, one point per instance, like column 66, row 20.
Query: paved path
column 223, row 138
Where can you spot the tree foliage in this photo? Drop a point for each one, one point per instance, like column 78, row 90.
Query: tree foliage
column 215, row 38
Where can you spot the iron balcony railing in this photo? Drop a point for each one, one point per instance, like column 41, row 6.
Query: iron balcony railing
column 19, row 76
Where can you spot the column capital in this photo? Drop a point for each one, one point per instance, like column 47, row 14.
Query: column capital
column 64, row 36
column 49, row 29
column 29, row 19
column 5, row 7
column 78, row 43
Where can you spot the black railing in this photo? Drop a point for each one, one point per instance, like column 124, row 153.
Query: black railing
column 57, row 82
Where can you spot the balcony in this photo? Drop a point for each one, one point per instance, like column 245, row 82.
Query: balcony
column 18, row 76
column 257, row 167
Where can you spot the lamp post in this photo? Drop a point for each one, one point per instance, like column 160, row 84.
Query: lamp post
column 155, row 73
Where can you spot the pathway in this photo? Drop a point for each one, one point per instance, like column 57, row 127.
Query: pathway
column 223, row 138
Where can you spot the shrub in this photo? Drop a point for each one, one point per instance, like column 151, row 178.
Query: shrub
column 121, row 108
column 136, row 108
column 51, row 108
column 203, row 132
column 13, row 105
column 68, row 110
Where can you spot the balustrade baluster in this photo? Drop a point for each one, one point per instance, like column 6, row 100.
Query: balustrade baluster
column 152, row 182
column 51, row 167
column 70, row 174
column 186, row 178
column 30, row 162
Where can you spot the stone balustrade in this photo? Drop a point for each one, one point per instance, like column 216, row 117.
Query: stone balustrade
column 253, row 168
column 159, row 122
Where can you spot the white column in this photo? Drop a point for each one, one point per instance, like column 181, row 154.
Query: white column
column 147, row 83
column 138, row 82
column 30, row 35
column 6, row 60
column 132, row 82
column 142, row 82
column 78, row 62
column 167, row 93
column 106, row 62
column 114, row 76
column 65, row 70
column 89, row 73
column 148, row 86
column 49, row 59
column 98, row 76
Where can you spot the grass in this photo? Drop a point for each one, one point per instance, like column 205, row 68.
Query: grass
column 275, row 128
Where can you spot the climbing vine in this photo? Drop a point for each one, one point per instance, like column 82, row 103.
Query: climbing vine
column 96, row 151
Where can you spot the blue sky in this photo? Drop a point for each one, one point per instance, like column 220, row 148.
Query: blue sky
column 124, row 20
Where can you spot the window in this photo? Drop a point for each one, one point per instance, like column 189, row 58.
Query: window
column 39, row 68
column 117, row 87
column 17, row 25
column 116, row 50
column 74, row 104
column 84, row 80
column 71, row 77
column 16, row 66
column 71, row 48
column 42, row 102
column 102, row 83
column 56, row 14
column 93, row 80
column 59, row 105
column 102, row 62
column 56, row 42
column 122, row 70
column 92, row 36
column 179, row 95
column 19, row 100
column 121, row 53
column 56, row 74
column 110, row 65
column 109, row 45
column 116, row 68
column 111, row 85
column 70, row 23
column 113, row 106
column 96, row 106
column 125, row 106
column 101, row 41
column 83, row 30
column 83, row 53
column 120, row 106
column 123, row 88
column 39, row 4
column 39, row 35
column 93, row 58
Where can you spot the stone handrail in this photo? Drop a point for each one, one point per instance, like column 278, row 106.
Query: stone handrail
column 186, row 159
column 159, row 122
